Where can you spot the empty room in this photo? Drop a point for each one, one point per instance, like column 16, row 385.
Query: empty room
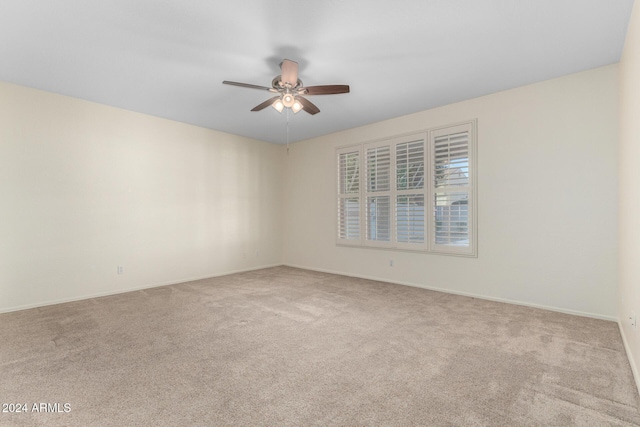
column 349, row 213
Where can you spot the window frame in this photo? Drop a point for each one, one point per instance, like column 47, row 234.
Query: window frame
column 471, row 188
column 428, row 191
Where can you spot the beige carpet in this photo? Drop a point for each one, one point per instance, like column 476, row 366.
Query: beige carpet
column 289, row 347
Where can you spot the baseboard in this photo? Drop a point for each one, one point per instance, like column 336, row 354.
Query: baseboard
column 415, row 285
column 466, row 294
column 627, row 348
column 137, row 288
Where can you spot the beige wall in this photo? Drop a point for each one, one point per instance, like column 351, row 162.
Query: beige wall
column 629, row 208
column 85, row 188
column 547, row 199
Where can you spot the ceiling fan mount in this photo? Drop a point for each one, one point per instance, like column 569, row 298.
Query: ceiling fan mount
column 277, row 84
column 289, row 89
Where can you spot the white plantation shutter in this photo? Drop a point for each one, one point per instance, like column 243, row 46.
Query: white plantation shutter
column 410, row 171
column 410, row 218
column 410, row 192
column 349, row 196
column 414, row 192
column 378, row 213
column 451, row 221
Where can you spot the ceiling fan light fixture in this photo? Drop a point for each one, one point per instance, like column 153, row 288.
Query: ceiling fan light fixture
column 278, row 105
column 296, row 106
column 288, row 100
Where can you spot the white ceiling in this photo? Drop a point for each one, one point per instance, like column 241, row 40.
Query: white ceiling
column 168, row 58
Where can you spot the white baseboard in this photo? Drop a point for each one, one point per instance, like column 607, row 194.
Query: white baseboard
column 627, row 348
column 415, row 285
column 122, row 291
column 466, row 294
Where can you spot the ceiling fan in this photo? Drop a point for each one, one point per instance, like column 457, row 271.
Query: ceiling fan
column 290, row 90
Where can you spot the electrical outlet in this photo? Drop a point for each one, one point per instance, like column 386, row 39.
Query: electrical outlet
column 120, row 269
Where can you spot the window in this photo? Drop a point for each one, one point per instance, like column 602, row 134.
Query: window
column 410, row 193
column 349, row 196
column 377, row 194
column 451, row 187
column 417, row 192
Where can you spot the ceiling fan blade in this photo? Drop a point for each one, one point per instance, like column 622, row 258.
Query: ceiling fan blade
column 250, row 86
column 265, row 104
column 326, row 90
column 308, row 106
column 289, row 72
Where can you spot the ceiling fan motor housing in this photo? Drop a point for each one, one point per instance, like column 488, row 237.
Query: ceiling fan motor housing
column 278, row 84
